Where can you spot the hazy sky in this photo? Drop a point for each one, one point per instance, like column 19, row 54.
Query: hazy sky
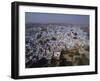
column 31, row 17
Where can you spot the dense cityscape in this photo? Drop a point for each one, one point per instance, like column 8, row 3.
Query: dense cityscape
column 52, row 45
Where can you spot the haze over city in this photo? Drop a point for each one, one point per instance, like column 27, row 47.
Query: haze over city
column 56, row 18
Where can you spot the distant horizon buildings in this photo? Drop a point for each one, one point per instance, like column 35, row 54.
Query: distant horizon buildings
column 59, row 24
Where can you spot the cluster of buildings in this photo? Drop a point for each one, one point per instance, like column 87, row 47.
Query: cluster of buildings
column 48, row 41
